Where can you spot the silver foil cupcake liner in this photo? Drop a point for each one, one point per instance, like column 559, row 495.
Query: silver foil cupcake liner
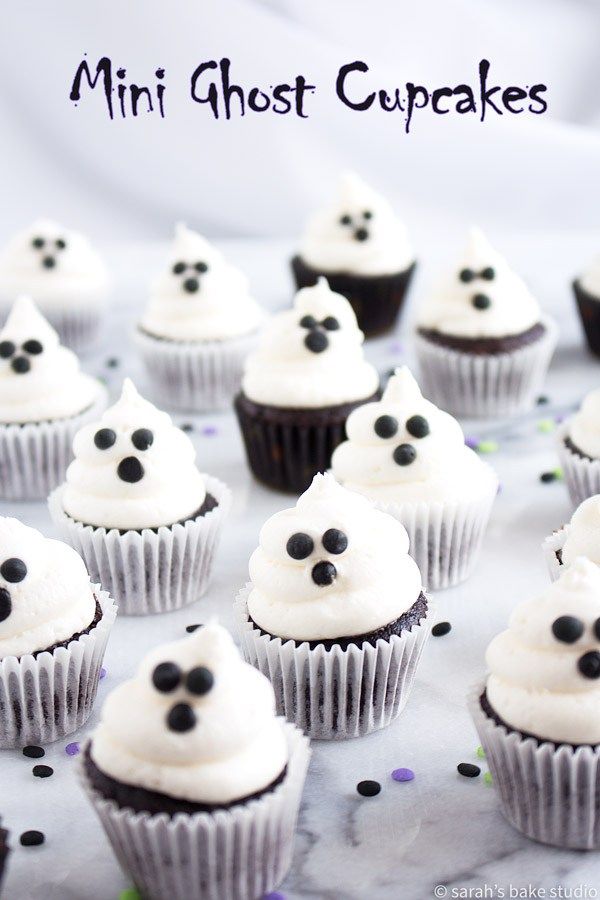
column 152, row 570
column 335, row 694
column 240, row 853
column 197, row 375
column 484, row 386
column 44, row 698
column 582, row 475
column 549, row 792
column 34, row 457
column 552, row 545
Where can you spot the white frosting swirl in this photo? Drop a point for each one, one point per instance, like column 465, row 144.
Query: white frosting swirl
column 236, row 747
column 442, row 467
column 583, row 533
column 374, row 580
column 590, row 280
column 45, row 591
column 481, row 307
column 40, row 380
column 358, row 233
column 56, row 266
column 200, row 296
column 535, row 684
column 131, row 483
column 285, row 372
column 584, row 427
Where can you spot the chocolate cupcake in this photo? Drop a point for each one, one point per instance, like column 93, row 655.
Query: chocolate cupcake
column 64, row 275
column 146, row 521
column 4, row 852
column 198, row 328
column 483, row 345
column 362, row 248
column 580, row 537
column 54, row 625
column 410, row 459
column 194, row 779
column 307, row 375
column 538, row 713
column 587, row 297
column 578, row 442
column 334, row 613
column 44, row 400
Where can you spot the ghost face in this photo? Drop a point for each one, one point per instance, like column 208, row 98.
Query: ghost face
column 187, row 275
column 20, row 356
column 475, row 285
column 13, row 571
column 572, row 630
column 50, row 250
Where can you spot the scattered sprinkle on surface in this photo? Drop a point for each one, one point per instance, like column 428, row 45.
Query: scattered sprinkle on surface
column 32, row 838
column 368, row 788
column 130, row 894
column 72, row 749
column 480, row 752
column 472, row 442
column 542, row 400
column 112, row 362
column 548, row 477
column 469, row 770
column 396, row 347
column 487, row 778
column 34, row 752
column 187, row 427
column 546, row 425
column 487, row 447
column 274, row 895
column 441, row 628
column 191, row 628
column 210, row 430
column 403, row 774
column 103, row 673
column 43, row 771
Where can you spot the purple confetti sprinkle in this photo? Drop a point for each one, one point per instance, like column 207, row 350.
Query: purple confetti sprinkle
column 72, row 749
column 403, row 774
column 472, row 442
column 499, row 491
column 103, row 673
column 396, row 347
column 558, row 419
column 274, row 895
column 209, row 430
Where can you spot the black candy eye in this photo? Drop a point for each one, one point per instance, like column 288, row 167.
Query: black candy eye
column 324, row 573
column 142, row 438
column 5, row 604
column 481, row 301
column 38, row 243
column 466, row 275
column 166, row 677
column 417, row 426
column 105, row 438
column 308, row 322
column 334, row 540
column 316, row 341
column 367, row 214
column 33, row 347
column 330, row 323
column 405, row 454
column 13, row 570
column 181, row 718
column 199, row 681
column 201, row 267
column 191, row 285
column 48, row 262
column 7, row 348
column 345, row 220
column 60, row 243
column 567, row 629
column 596, row 628
column 300, row 545
column 385, row 426
column 179, row 268
column 488, row 274
column 20, row 365
column 130, row 470
column 589, row 664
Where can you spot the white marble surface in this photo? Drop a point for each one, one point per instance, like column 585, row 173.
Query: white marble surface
column 440, row 829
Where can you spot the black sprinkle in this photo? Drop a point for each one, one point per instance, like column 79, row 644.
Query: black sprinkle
column 441, row 628
column 32, row 838
column 542, row 400
column 368, row 788
column 547, row 477
column 187, row 427
column 468, row 770
column 34, row 752
column 112, row 362
column 43, row 771
column 191, row 628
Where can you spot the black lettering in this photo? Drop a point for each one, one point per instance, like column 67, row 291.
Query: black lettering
column 486, row 93
column 511, row 95
column 386, row 102
column 136, row 93
column 413, row 91
column 301, row 89
column 467, row 103
column 253, row 100
column 278, row 97
column 104, row 69
column 340, row 86
column 534, row 94
column 230, row 89
column 212, row 97
column 435, row 100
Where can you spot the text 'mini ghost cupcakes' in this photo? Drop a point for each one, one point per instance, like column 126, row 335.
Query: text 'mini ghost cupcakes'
column 334, row 613
column 579, row 449
column 307, row 375
column 54, row 625
column 483, row 344
column 135, row 506
column 44, row 400
column 64, row 275
column 538, row 715
column 580, row 537
column 410, row 459
column 587, row 296
column 190, row 762
column 198, row 327
column 362, row 248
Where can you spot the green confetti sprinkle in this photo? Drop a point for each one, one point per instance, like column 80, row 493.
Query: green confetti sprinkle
column 487, row 778
column 487, row 446
column 546, row 426
column 480, row 752
column 558, row 474
column 130, row 894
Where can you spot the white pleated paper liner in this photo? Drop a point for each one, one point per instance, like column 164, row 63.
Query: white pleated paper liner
column 548, row 792
column 335, row 694
column 550, row 547
column 149, row 571
column 34, row 457
column 195, row 376
column 582, row 475
column 47, row 697
column 484, row 386
column 239, row 853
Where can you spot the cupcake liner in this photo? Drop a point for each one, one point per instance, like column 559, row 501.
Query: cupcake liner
column 375, row 299
column 48, row 696
column 240, row 853
column 286, row 448
column 550, row 547
column 199, row 375
column 589, row 312
column 582, row 475
column 78, row 327
column 500, row 384
column 548, row 792
column 335, row 694
column 34, row 457
column 149, row 571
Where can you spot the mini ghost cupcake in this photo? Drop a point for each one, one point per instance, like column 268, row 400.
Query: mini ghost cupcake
column 362, row 248
column 198, row 328
column 483, row 344
column 538, row 714
column 64, row 275
column 146, row 521
column 195, row 780
column 54, row 625
column 587, row 296
column 579, row 449
column 580, row 537
column 410, row 459
column 299, row 386
column 334, row 614
column 44, row 400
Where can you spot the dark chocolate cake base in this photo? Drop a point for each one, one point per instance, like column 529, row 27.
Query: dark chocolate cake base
column 589, row 311
column 575, row 449
column 492, row 714
column 485, row 346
